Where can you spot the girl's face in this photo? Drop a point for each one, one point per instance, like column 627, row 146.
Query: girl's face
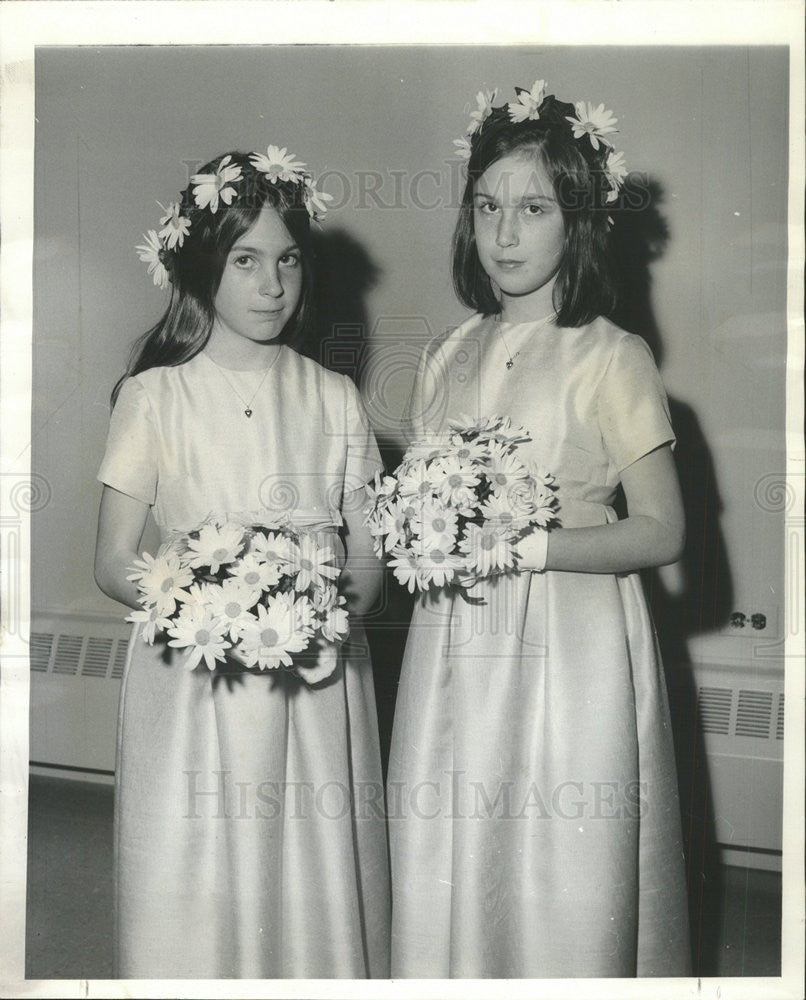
column 519, row 233
column 261, row 283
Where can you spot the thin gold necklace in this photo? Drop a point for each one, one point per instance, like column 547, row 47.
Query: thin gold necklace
column 248, row 411
column 511, row 357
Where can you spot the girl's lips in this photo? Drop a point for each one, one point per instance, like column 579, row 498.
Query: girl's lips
column 508, row 264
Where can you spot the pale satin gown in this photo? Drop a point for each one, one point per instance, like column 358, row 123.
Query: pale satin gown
column 532, row 798
column 250, row 837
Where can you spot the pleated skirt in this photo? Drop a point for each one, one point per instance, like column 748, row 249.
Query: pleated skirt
column 250, row 837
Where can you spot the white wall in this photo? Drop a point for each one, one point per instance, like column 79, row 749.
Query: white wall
column 114, row 126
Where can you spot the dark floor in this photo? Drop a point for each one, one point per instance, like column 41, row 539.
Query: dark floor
column 69, row 933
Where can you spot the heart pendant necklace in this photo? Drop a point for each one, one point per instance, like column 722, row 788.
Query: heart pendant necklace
column 247, row 404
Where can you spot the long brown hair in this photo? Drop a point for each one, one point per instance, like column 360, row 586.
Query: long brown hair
column 195, row 269
column 586, row 285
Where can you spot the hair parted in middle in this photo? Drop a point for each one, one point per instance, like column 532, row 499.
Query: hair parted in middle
column 586, row 175
column 190, row 252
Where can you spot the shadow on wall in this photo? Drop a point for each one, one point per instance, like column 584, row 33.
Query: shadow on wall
column 339, row 341
column 696, row 595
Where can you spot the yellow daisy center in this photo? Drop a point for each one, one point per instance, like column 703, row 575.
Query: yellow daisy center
column 269, row 637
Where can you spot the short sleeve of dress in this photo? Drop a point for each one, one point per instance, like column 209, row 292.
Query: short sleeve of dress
column 130, row 461
column 632, row 404
column 427, row 394
column 363, row 457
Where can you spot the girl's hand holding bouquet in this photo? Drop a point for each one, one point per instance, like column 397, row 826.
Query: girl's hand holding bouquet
column 458, row 506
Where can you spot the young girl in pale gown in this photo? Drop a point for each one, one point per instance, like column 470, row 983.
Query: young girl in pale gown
column 242, row 847
column 532, row 797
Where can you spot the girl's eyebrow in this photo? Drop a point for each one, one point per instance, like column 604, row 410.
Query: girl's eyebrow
column 484, row 196
column 246, row 248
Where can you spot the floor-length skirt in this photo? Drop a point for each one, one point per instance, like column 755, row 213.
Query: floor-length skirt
column 532, row 793
column 249, row 828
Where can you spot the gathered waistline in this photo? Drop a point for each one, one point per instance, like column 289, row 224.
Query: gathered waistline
column 306, row 520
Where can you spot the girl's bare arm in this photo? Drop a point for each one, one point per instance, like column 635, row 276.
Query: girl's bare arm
column 121, row 521
column 653, row 533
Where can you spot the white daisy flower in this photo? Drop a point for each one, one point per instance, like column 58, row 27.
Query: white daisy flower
column 435, row 565
column 457, row 482
column 403, row 563
column 487, row 548
column 335, row 625
column 505, row 470
column 484, row 102
column 417, row 481
column 216, row 545
column 325, row 598
column 231, row 603
column 272, row 547
column 526, row 106
column 175, row 226
column 278, row 165
column 315, row 199
column 312, row 564
column 149, row 252
column 151, row 619
column 462, row 148
column 304, row 615
column 197, row 600
column 593, row 122
column 436, row 525
column 500, row 512
column 466, row 425
column 616, row 166
column 252, row 574
column 427, row 448
column 468, row 452
column 395, row 521
column 545, row 507
column 616, row 172
column 209, row 188
column 203, row 636
column 271, row 640
column 384, row 488
column 162, row 579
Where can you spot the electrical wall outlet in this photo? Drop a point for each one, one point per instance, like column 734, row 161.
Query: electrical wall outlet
column 755, row 621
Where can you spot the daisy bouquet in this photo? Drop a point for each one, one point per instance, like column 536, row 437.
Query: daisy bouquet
column 456, row 507
column 264, row 592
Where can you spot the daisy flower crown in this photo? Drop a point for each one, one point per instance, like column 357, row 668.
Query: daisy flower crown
column 587, row 125
column 225, row 186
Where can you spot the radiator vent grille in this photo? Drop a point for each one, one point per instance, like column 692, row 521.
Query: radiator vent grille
column 754, row 714
column 714, row 709
column 96, row 657
column 72, row 655
column 779, row 725
column 120, row 659
column 41, row 646
column 68, row 654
